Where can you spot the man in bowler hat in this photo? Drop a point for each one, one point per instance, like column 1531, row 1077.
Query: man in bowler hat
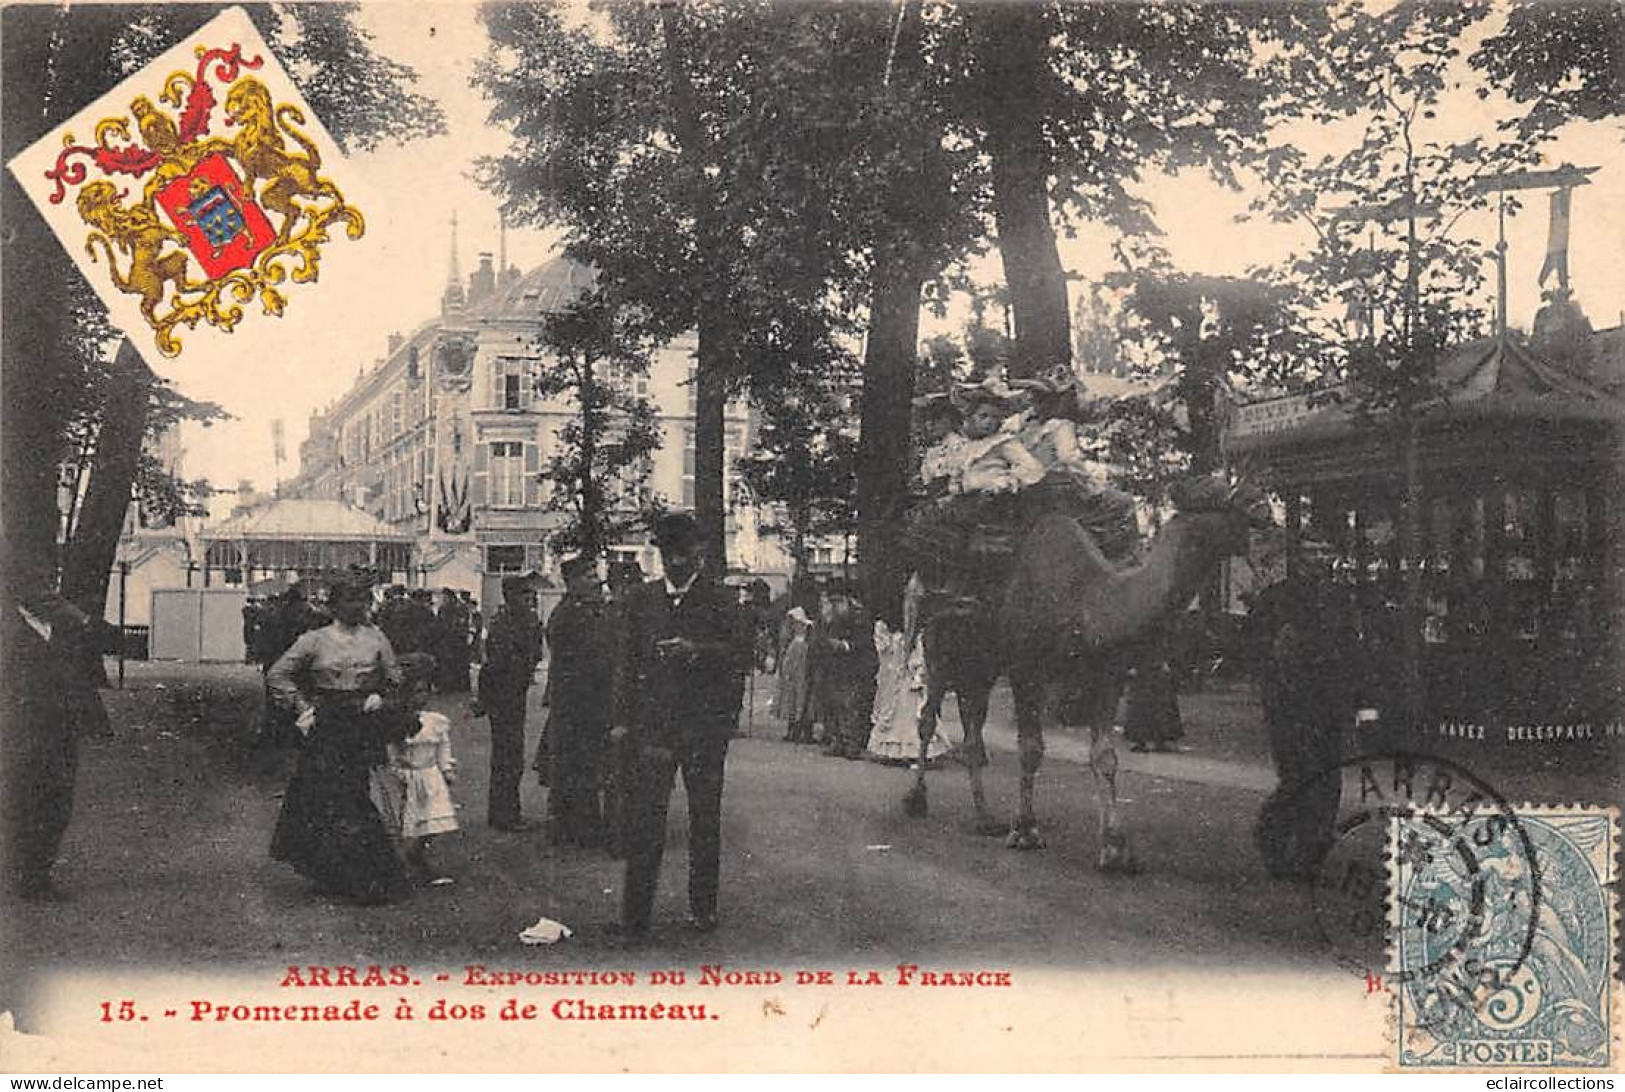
column 512, row 651
column 680, row 685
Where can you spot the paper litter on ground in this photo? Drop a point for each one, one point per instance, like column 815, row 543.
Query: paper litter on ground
column 545, row 931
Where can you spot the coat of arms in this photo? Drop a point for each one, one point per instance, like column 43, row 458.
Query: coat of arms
column 208, row 206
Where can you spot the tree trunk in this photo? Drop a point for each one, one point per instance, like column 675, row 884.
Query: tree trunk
column 93, row 551
column 712, row 358
column 907, row 251
column 592, row 496
column 1198, row 387
column 33, row 413
column 710, row 400
column 1411, row 550
column 885, row 430
column 798, row 547
column 38, row 395
column 81, row 459
column 1013, row 47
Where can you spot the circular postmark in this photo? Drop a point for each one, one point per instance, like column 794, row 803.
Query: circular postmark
column 1429, row 883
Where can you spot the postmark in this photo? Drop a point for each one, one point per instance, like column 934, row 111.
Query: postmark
column 1420, row 808
column 1536, row 986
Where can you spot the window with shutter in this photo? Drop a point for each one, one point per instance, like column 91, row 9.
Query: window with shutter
column 533, row 468
column 507, row 488
column 479, row 492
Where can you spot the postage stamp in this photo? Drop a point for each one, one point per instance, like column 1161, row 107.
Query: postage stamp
column 1504, row 933
column 1352, row 882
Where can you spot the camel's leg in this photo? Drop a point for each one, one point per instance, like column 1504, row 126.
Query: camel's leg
column 1029, row 699
column 1115, row 854
column 915, row 803
column 973, row 718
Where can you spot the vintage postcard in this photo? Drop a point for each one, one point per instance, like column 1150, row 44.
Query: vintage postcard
column 1109, row 512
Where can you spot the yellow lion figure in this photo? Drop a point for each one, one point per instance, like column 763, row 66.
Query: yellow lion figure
column 259, row 147
column 138, row 232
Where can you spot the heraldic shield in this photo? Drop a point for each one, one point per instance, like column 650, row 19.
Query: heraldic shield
column 221, row 200
column 224, row 228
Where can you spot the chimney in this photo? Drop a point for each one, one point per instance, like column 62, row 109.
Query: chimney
column 482, row 283
column 395, row 343
column 506, row 274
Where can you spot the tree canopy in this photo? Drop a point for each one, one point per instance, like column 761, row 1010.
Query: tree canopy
column 1565, row 57
column 597, row 474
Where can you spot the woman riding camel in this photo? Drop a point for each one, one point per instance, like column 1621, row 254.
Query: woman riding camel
column 1062, row 432
column 971, row 474
column 994, row 458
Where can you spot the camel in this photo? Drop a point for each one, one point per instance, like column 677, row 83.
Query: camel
column 1070, row 625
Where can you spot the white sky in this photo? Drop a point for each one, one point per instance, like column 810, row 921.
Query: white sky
column 394, row 281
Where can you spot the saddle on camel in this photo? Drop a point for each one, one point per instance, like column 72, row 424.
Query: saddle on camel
column 1029, row 566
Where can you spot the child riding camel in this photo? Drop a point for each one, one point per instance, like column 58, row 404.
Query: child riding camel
column 1062, row 433
column 986, row 454
column 1000, row 470
column 960, row 538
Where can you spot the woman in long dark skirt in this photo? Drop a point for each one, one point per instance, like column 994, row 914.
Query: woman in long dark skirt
column 1151, row 704
column 339, row 678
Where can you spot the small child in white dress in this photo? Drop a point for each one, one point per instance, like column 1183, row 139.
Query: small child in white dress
column 412, row 789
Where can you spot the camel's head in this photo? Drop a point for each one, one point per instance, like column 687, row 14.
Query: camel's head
column 1229, row 510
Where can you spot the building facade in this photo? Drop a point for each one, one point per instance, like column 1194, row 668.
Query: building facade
column 446, row 437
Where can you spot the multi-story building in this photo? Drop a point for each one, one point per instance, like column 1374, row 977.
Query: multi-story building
column 446, row 435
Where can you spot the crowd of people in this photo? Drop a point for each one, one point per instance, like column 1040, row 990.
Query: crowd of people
column 644, row 681
column 448, row 628
column 827, row 667
column 647, row 678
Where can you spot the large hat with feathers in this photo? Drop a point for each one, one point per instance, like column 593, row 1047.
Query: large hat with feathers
column 990, row 391
column 1052, row 381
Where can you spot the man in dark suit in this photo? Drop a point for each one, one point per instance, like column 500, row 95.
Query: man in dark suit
column 1305, row 657
column 680, row 685
column 414, row 625
column 450, row 644
column 512, row 651
column 44, row 637
column 848, row 664
column 574, row 746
